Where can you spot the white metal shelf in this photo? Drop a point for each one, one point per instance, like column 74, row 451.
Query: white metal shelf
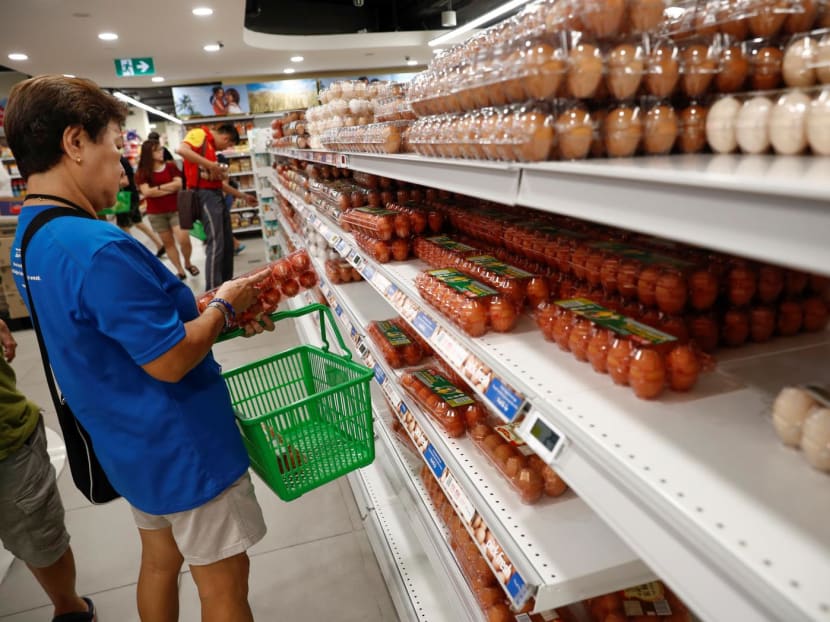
column 495, row 181
column 419, row 593
column 543, row 542
column 697, row 484
column 238, row 154
column 250, row 229
column 240, row 174
column 243, row 209
column 770, row 208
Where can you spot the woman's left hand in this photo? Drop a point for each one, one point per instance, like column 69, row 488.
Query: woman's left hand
column 258, row 326
column 10, row 345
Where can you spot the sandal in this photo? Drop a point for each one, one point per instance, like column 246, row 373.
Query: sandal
column 161, row 252
column 182, row 276
column 193, row 270
column 78, row 616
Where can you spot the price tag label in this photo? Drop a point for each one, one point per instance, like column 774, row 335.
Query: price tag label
column 424, row 324
column 434, row 461
column 338, row 310
column 504, row 399
column 381, row 283
column 459, row 498
column 517, row 588
column 368, row 272
column 542, row 436
column 450, row 349
column 380, row 375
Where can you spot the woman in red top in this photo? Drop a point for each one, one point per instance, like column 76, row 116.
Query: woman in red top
column 160, row 182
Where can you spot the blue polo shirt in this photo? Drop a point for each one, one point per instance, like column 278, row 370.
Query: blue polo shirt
column 106, row 306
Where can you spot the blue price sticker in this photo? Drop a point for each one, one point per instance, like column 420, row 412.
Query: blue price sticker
column 434, row 460
column 424, row 324
column 516, row 586
column 368, row 272
column 338, row 310
column 504, row 399
column 380, row 376
column 391, row 291
column 403, row 409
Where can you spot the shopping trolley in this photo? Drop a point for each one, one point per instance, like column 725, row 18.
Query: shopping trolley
column 305, row 414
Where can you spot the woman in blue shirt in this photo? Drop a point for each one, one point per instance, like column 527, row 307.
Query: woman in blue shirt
column 132, row 354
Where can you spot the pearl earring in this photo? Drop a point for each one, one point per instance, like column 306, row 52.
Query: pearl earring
column 78, row 160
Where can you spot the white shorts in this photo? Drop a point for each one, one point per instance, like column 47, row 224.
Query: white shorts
column 221, row 528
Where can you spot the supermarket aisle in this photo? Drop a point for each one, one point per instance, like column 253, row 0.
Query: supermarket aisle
column 315, row 563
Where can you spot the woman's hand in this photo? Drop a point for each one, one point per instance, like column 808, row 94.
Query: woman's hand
column 10, row 345
column 241, row 293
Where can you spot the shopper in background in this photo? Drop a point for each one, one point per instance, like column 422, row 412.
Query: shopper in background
column 209, row 178
column 133, row 356
column 238, row 246
column 160, row 182
column 31, row 512
column 125, row 220
column 168, row 157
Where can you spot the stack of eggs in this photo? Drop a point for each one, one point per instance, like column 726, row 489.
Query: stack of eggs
column 801, row 421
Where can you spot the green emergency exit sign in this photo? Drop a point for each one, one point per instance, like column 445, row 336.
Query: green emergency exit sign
column 126, row 67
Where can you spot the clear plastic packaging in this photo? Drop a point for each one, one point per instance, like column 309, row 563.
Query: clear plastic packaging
column 287, row 277
column 471, row 305
column 382, row 224
column 395, row 345
column 383, row 251
column 340, row 271
column 530, row 477
column 450, row 407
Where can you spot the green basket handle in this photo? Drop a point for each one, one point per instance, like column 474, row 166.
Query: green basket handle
column 325, row 312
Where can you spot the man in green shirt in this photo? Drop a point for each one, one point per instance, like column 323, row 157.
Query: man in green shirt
column 31, row 512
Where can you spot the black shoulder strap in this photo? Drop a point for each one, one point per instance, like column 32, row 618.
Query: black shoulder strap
column 37, row 222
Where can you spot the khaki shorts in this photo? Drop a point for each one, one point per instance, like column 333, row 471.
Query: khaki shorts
column 163, row 222
column 223, row 527
column 31, row 511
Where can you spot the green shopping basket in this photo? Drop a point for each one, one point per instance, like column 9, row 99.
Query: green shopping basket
column 305, row 414
column 122, row 204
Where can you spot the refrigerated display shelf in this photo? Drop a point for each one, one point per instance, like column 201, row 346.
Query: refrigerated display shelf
column 418, row 592
column 545, row 542
column 697, row 484
column 770, row 208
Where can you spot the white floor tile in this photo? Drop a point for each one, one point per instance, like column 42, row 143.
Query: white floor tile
column 116, row 605
column 322, row 580
column 321, row 513
column 107, row 552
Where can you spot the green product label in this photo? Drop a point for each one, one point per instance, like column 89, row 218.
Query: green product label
column 393, row 334
column 462, row 283
column 444, row 389
column 613, row 321
column 647, row 257
column 499, row 267
column 376, row 211
column 450, row 244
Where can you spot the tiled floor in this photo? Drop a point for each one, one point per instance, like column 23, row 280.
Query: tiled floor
column 315, row 563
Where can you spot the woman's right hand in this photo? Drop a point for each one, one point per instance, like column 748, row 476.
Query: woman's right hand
column 241, row 293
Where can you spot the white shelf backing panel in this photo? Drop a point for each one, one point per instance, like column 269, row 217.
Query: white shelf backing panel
column 418, row 592
column 494, row 181
column 545, row 542
column 774, row 209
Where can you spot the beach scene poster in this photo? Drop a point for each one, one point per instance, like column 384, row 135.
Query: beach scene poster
column 211, row 100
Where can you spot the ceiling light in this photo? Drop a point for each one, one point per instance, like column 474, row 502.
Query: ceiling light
column 489, row 16
column 289, row 70
column 143, row 106
column 212, row 47
column 18, row 56
column 69, row 75
column 202, row 11
column 411, row 62
column 107, row 36
column 297, row 59
column 157, row 79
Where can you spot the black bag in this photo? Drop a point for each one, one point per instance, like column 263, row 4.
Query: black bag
column 190, row 208
column 87, row 473
column 187, row 201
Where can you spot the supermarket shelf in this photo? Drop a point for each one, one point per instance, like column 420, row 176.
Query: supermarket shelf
column 544, row 543
column 696, row 484
column 240, row 154
column 252, row 189
column 248, row 229
column 240, row 174
column 243, row 209
column 770, row 208
column 494, row 181
column 418, row 592
column 224, row 119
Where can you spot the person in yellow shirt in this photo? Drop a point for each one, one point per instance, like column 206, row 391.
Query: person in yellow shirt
column 31, row 511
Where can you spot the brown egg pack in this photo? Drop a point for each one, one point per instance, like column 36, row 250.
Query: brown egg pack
column 397, row 348
column 453, row 409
